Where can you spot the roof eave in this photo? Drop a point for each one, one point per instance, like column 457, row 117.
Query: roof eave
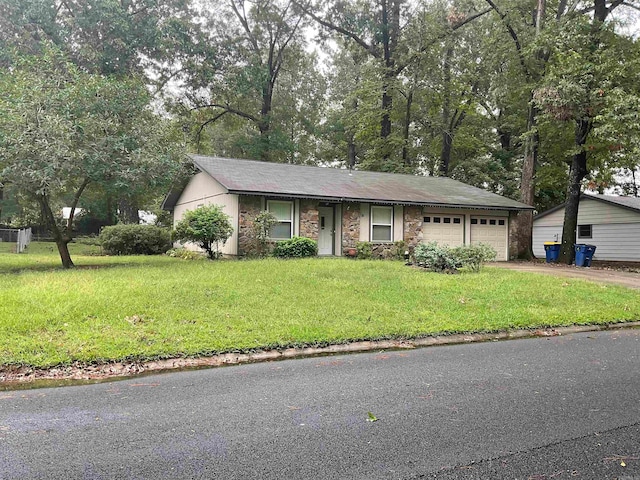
column 328, row 198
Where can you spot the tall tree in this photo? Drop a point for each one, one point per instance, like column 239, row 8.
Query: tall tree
column 254, row 42
column 588, row 75
column 379, row 28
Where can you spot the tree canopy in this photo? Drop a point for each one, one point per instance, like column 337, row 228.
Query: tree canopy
column 64, row 131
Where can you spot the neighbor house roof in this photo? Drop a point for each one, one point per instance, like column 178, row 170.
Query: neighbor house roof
column 333, row 184
column 630, row 203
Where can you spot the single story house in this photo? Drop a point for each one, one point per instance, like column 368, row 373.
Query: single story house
column 339, row 207
column 611, row 223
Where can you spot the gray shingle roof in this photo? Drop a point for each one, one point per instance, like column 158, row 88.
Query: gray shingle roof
column 297, row 181
column 630, row 203
column 627, row 202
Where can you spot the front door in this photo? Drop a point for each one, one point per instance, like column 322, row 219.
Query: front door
column 325, row 230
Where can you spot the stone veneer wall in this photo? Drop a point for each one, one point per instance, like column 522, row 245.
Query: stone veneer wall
column 249, row 206
column 412, row 226
column 350, row 225
column 309, row 219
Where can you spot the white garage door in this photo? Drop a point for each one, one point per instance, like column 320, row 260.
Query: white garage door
column 491, row 230
column 444, row 229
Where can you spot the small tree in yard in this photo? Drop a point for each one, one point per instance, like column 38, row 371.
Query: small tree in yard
column 64, row 131
column 205, row 226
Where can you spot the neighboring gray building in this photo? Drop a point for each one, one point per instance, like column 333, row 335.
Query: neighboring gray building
column 339, row 208
column 609, row 222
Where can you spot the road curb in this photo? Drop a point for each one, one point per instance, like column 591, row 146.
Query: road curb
column 13, row 377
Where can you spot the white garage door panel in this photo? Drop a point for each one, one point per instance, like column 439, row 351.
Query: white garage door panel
column 491, row 230
column 444, row 229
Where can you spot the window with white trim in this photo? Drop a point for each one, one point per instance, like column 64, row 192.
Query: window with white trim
column 283, row 211
column 585, row 231
column 381, row 224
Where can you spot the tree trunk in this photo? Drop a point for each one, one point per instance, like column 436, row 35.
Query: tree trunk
column 390, row 32
column 577, row 173
column 265, row 122
column 128, row 211
column 524, row 221
column 65, row 256
column 62, row 240
column 406, row 161
column 351, row 153
column 447, row 134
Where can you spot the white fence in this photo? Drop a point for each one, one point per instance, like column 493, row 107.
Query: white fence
column 21, row 237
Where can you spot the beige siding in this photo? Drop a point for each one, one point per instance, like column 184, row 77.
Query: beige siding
column 365, row 229
column 204, row 190
column 398, row 223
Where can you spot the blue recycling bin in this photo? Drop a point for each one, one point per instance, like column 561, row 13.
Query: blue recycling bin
column 552, row 251
column 584, row 254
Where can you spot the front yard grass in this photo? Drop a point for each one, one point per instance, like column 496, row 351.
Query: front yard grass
column 156, row 307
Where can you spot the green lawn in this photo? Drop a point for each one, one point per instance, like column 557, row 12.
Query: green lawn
column 150, row 307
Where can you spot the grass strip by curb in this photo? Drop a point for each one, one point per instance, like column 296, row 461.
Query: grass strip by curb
column 11, row 378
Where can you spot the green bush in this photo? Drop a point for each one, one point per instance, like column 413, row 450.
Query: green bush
column 207, row 226
column 135, row 240
column 400, row 248
column 474, row 256
column 364, row 249
column 296, row 247
column 437, row 258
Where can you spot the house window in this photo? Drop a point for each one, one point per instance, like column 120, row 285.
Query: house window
column 585, row 231
column 501, row 222
column 456, row 220
column 447, row 219
column 381, row 224
column 474, row 221
column 427, row 219
column 436, row 219
column 492, row 222
column 283, row 211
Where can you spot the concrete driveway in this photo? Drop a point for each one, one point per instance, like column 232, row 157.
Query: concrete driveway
column 618, row 277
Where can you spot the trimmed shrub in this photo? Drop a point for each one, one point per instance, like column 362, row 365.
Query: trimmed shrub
column 207, row 226
column 135, row 240
column 296, row 247
column 437, row 258
column 474, row 256
column 364, row 249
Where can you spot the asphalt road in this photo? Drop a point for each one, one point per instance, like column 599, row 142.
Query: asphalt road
column 547, row 408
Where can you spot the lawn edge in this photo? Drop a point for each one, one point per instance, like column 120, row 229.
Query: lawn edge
column 14, row 376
